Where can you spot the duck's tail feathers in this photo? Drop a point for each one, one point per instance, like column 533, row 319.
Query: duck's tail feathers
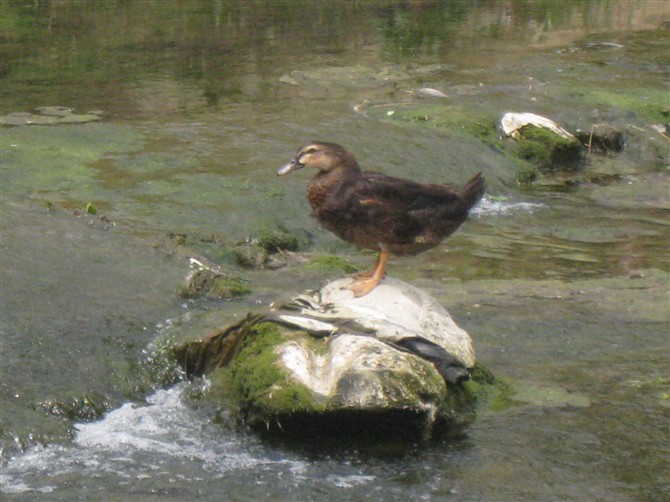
column 473, row 191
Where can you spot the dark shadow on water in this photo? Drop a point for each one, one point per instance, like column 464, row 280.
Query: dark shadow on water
column 387, row 434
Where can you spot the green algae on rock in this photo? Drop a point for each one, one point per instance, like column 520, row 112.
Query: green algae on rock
column 438, row 115
column 276, row 239
column 326, row 358
column 256, row 383
column 331, row 263
column 548, row 150
column 211, row 284
column 49, row 115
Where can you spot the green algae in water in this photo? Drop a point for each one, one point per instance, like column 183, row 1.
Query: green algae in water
column 274, row 240
column 527, row 173
column 331, row 264
column 59, row 159
column 213, row 285
column 651, row 105
column 472, row 123
column 548, row 396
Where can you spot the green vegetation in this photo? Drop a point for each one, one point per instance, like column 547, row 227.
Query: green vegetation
column 274, row 240
column 450, row 117
column 254, row 382
column 331, row 263
column 85, row 408
column 548, row 150
column 483, row 392
column 538, row 149
column 213, row 285
column 652, row 105
column 226, row 288
column 527, row 173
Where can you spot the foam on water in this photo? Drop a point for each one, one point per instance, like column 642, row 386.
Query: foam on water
column 495, row 207
column 163, row 436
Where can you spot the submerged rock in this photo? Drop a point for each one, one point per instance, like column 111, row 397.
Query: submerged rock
column 392, row 359
column 513, row 123
column 542, row 142
column 49, row 115
column 603, row 138
column 346, row 76
column 644, row 190
column 211, row 284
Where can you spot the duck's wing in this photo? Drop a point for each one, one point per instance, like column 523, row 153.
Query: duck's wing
column 399, row 209
column 403, row 196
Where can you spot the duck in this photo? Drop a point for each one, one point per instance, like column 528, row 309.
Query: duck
column 378, row 212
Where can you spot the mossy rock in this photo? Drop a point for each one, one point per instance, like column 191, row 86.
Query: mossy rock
column 527, row 173
column 214, row 247
column 274, row 240
column 84, row 408
column 266, row 248
column 336, row 365
column 256, row 384
column 547, row 150
column 249, row 256
column 331, row 264
column 603, row 138
column 210, row 284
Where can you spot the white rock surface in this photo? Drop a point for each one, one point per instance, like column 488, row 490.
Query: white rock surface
column 356, row 366
column 394, row 310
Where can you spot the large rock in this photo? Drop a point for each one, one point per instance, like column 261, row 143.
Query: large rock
column 393, row 359
column 396, row 310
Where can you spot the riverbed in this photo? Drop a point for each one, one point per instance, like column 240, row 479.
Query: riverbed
column 166, row 124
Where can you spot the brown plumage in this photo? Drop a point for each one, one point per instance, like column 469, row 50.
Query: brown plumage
column 379, row 212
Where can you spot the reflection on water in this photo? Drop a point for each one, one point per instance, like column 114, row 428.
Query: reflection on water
column 134, row 58
column 560, row 285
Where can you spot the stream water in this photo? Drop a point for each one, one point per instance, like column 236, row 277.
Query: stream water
column 563, row 285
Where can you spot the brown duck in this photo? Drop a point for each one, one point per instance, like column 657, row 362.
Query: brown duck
column 379, row 212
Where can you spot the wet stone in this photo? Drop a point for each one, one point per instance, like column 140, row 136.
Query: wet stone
column 211, row 284
column 603, row 138
column 635, row 191
column 49, row 115
column 548, row 150
column 392, row 353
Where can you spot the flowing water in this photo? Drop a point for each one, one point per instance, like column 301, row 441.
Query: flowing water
column 563, row 285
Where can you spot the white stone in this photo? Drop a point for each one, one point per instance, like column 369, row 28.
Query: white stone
column 394, row 310
column 356, row 366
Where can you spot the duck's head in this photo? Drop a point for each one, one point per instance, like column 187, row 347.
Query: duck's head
column 323, row 156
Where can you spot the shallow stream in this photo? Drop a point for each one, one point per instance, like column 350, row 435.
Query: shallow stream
column 181, row 114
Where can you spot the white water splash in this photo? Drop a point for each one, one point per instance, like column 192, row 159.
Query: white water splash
column 139, row 442
column 496, row 207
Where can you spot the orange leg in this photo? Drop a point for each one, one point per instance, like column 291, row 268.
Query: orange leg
column 368, row 273
column 366, row 283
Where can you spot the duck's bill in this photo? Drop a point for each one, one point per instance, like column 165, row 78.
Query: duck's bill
column 291, row 166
